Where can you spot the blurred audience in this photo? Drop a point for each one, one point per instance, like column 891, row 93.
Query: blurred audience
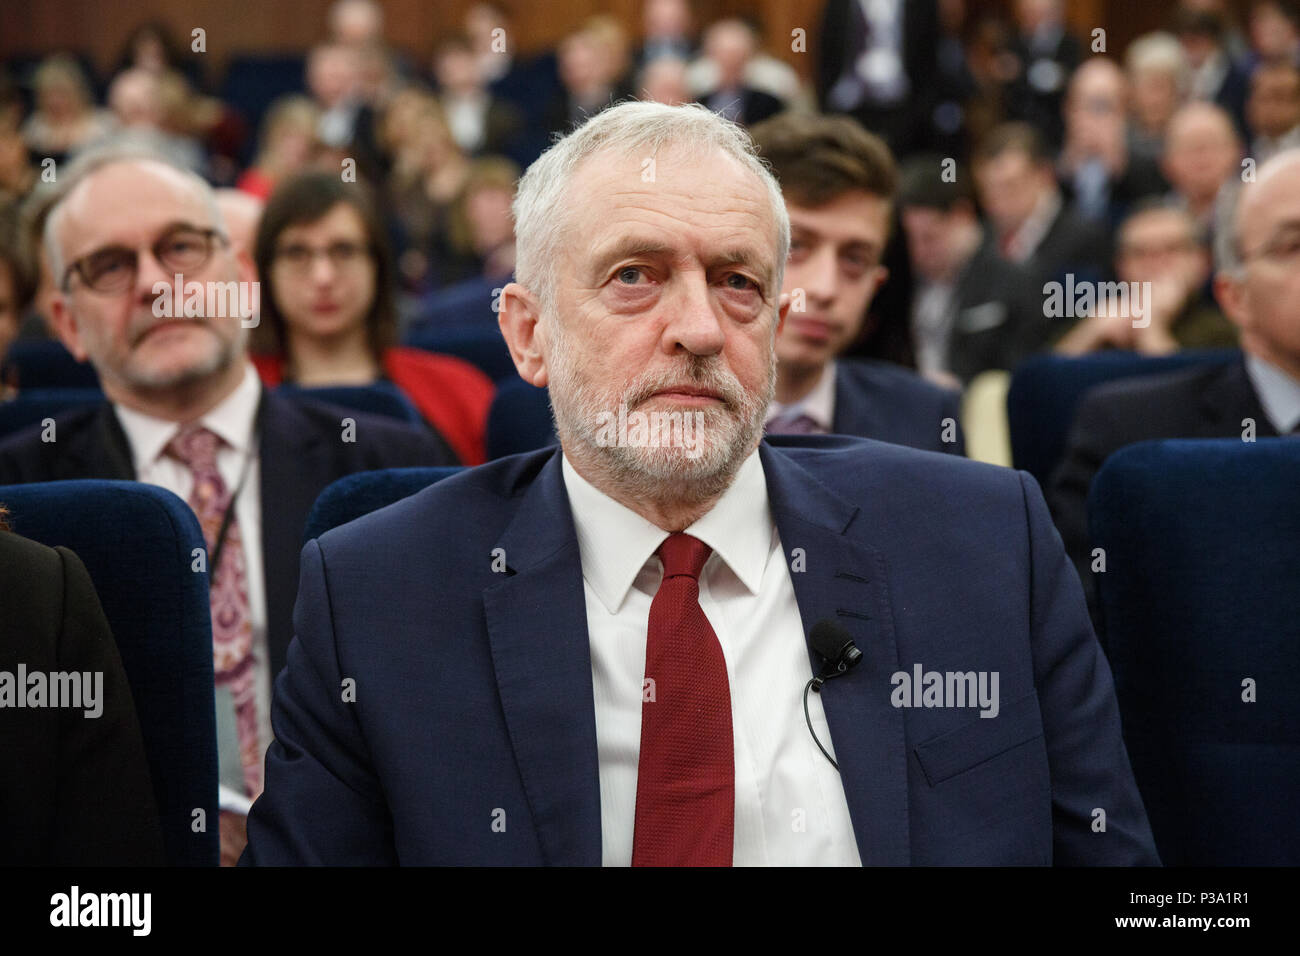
column 1101, row 176
column 1033, row 226
column 1157, row 79
column 65, row 117
column 1202, row 152
column 1273, row 110
column 729, row 46
column 1163, row 244
column 972, row 310
column 289, row 143
column 479, row 122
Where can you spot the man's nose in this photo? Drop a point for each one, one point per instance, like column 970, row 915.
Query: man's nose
column 693, row 320
column 148, row 273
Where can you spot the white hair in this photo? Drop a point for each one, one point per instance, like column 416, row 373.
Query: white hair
column 628, row 128
column 91, row 161
column 1158, row 52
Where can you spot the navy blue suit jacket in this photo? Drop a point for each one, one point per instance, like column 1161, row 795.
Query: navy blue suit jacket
column 887, row 402
column 471, row 689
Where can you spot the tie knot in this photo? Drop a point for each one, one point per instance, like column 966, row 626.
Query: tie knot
column 793, row 423
column 196, row 446
column 683, row 554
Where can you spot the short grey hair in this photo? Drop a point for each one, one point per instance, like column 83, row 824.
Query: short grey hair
column 1158, row 52
column 1228, row 255
column 627, row 128
column 87, row 163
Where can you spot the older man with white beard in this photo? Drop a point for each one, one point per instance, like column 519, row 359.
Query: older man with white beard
column 603, row 653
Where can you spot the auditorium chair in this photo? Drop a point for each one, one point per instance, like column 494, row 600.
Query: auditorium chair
column 1046, row 389
column 519, row 419
column 481, row 346
column 32, row 406
column 355, row 495
column 381, row 398
column 1200, row 607
column 138, row 543
column 45, row 363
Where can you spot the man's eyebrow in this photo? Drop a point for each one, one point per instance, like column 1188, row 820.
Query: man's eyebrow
column 628, row 249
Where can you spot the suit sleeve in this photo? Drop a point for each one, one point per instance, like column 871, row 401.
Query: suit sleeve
column 322, row 803
column 106, row 812
column 1088, row 762
column 950, row 407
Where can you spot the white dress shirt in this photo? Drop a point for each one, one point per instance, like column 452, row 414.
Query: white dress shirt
column 1278, row 392
column 818, row 404
column 790, row 803
column 233, row 420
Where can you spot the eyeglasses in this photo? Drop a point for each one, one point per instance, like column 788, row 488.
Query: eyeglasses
column 342, row 255
column 114, row 268
column 1283, row 249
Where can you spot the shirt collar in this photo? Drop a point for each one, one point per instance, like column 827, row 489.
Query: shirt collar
column 819, row 404
column 1278, row 392
column 231, row 420
column 615, row 542
column 1026, row 240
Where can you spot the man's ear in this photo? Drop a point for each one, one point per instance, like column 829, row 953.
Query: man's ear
column 65, row 326
column 518, row 318
column 244, row 266
column 782, row 310
column 1231, row 295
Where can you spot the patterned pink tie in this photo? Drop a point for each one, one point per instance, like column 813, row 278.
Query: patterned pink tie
column 232, row 629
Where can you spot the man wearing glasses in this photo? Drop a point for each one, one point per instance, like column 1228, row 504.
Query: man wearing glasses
column 1256, row 395
column 185, row 410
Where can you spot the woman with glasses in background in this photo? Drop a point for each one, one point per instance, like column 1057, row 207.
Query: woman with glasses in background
column 329, row 316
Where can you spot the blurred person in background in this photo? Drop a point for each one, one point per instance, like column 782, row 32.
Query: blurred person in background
column 329, row 315
column 65, row 118
column 1214, row 75
column 971, row 309
column 585, row 87
column 287, row 144
column 1047, row 53
column 876, row 62
column 1099, row 173
column 664, row 80
column 1157, row 73
column 1274, row 27
column 136, row 99
column 729, row 45
column 1163, row 244
column 429, row 173
column 153, row 47
column 667, row 31
column 1273, row 110
column 1202, row 152
column 479, row 122
column 1032, row 224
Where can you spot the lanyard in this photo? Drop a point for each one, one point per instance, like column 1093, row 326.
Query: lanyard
column 229, row 514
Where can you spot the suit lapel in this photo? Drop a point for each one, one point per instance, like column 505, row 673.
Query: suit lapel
column 292, row 460
column 844, row 579
column 537, row 627
column 1230, row 397
column 99, row 450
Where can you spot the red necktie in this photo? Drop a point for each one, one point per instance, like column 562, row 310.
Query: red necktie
column 232, row 629
column 686, row 779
